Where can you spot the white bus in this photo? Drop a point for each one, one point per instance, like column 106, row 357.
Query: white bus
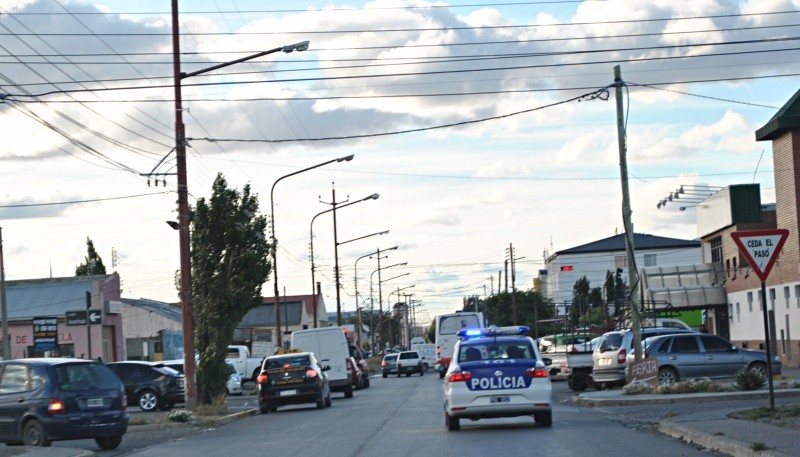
column 447, row 327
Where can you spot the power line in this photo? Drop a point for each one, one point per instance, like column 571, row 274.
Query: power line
column 75, row 202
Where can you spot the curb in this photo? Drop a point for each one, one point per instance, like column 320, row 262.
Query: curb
column 217, row 420
column 713, row 442
column 623, row 400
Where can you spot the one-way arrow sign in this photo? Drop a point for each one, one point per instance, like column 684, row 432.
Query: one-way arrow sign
column 94, row 316
column 761, row 248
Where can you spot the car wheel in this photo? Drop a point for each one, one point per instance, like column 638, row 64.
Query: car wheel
column 452, row 423
column 545, row 418
column 328, row 400
column 272, row 408
column 321, row 401
column 148, row 400
column 366, row 382
column 108, row 443
column 385, row 375
column 263, row 409
column 348, row 392
column 425, row 366
column 667, row 375
column 578, row 382
column 33, row 434
column 441, row 375
column 421, row 372
column 759, row 368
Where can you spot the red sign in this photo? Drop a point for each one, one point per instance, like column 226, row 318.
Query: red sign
column 567, row 268
column 761, row 248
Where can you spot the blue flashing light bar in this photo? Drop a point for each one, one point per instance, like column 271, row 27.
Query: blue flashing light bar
column 470, row 333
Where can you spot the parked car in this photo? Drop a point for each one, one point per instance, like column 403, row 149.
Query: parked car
column 691, row 356
column 389, row 364
column 361, row 361
column 609, row 357
column 151, row 384
column 46, row 400
column 290, row 379
column 355, row 374
column 233, row 382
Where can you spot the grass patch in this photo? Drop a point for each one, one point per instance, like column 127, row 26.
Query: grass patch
column 683, row 387
column 758, row 446
column 218, row 407
column 764, row 412
column 180, row 415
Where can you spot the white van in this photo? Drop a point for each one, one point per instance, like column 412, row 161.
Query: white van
column 330, row 346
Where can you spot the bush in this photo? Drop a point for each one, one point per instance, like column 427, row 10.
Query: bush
column 180, row 415
column 218, row 407
column 748, row 380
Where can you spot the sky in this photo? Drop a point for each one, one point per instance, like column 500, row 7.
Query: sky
column 482, row 125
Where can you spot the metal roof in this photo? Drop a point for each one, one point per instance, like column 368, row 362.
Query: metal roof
column 787, row 118
column 264, row 315
column 171, row 311
column 31, row 298
column 641, row 242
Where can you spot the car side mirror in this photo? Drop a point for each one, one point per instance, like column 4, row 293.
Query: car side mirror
column 326, row 367
column 547, row 361
column 733, row 348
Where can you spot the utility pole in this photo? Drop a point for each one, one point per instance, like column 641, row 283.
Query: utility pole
column 3, row 305
column 633, row 274
column 506, row 268
column 513, row 284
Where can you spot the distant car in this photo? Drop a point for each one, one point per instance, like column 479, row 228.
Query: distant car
column 408, row 363
column 233, row 382
column 152, row 385
column 290, row 379
column 389, row 364
column 356, row 375
column 361, row 361
column 496, row 372
column 46, row 400
column 691, row 356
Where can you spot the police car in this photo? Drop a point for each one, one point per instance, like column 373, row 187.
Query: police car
column 496, row 372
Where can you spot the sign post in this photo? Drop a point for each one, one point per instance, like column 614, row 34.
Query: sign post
column 761, row 248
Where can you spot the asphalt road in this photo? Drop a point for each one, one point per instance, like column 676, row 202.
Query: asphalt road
column 401, row 417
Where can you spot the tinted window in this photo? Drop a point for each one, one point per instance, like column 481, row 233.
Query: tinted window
column 684, row 344
column 610, row 342
column 390, row 358
column 295, row 361
column 85, row 376
column 715, row 344
column 408, row 355
column 495, row 351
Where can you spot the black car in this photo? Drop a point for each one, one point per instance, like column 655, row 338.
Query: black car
column 46, row 400
column 151, row 384
column 290, row 379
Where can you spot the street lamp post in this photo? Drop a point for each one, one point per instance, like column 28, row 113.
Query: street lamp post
column 398, row 296
column 275, row 240
column 336, row 271
column 380, row 292
column 311, row 236
column 187, row 318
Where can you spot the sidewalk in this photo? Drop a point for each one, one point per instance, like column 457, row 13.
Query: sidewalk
column 712, row 428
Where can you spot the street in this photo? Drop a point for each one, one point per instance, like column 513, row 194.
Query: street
column 403, row 417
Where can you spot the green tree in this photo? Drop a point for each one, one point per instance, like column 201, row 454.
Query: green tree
column 531, row 306
column 580, row 299
column 430, row 332
column 92, row 263
column 229, row 264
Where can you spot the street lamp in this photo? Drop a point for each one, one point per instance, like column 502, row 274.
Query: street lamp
column 275, row 240
column 355, row 284
column 380, row 292
column 336, row 269
column 311, row 236
column 187, row 318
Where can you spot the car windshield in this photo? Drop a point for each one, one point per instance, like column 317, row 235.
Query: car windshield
column 292, row 361
column 495, row 351
column 85, row 376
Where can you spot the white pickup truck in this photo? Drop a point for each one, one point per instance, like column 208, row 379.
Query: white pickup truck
column 247, row 366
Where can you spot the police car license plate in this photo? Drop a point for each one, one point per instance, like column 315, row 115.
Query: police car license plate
column 499, row 399
column 285, row 393
column 94, row 402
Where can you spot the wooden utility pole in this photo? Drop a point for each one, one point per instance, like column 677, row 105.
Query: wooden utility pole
column 633, row 274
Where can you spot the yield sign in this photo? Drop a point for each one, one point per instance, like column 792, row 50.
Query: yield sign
column 761, row 248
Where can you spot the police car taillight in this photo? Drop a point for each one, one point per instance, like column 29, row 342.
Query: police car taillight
column 621, row 356
column 460, row 376
column 536, row 372
column 311, row 373
column 262, row 378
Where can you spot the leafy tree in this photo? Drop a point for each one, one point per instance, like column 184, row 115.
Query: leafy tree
column 531, row 306
column 580, row 299
column 430, row 332
column 229, row 264
column 92, row 263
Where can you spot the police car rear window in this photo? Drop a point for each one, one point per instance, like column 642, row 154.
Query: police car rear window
column 495, row 351
column 294, row 361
